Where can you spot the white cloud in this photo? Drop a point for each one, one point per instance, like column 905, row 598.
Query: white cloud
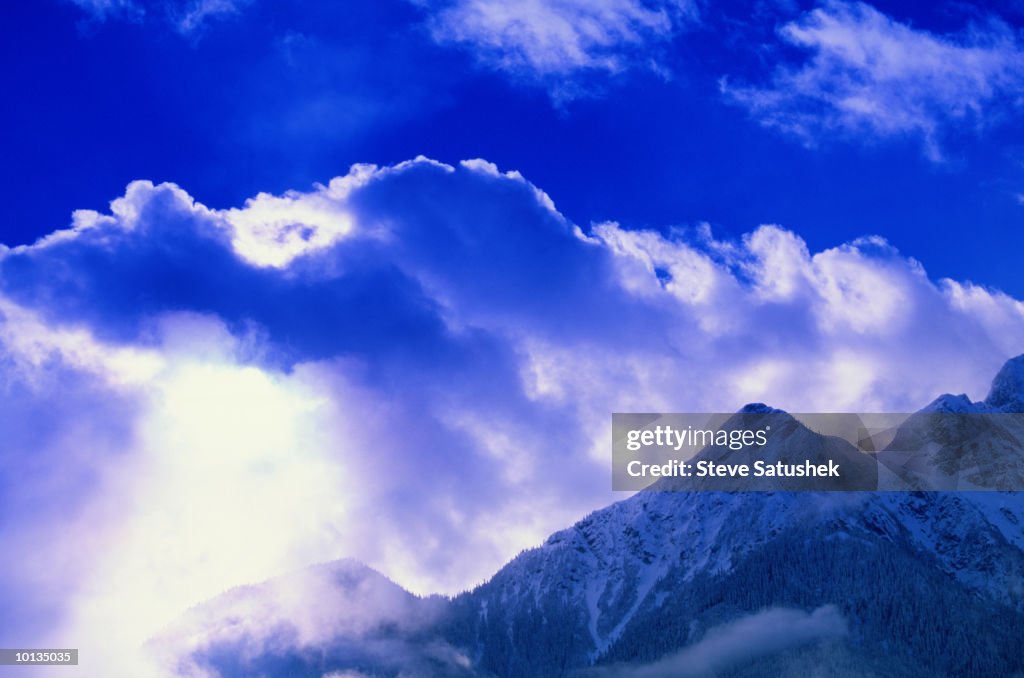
column 756, row 635
column 866, row 75
column 552, row 41
column 196, row 14
column 268, row 231
column 31, row 344
column 779, row 263
column 651, row 264
column 996, row 311
column 808, row 323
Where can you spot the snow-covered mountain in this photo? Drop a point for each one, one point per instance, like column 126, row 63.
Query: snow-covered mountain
column 1007, row 392
column 340, row 616
column 790, row 442
column 955, row 443
column 696, row 583
column 656, row 572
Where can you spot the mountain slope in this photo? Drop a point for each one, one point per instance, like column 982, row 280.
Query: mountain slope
column 655, row 572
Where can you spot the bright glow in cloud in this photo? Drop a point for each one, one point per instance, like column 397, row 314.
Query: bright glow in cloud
column 232, row 475
column 412, row 366
column 869, row 75
column 272, row 231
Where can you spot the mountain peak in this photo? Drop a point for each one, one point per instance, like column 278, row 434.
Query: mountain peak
column 1007, row 391
column 950, row 403
column 759, row 408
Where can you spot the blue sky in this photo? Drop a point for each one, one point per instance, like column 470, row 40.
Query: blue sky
column 289, row 282
column 266, row 96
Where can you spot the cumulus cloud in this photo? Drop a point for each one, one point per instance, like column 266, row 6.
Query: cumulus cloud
column 764, row 633
column 554, row 43
column 866, row 75
column 411, row 365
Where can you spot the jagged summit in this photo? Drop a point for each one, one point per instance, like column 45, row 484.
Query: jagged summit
column 759, row 408
column 950, row 403
column 1007, row 392
column 1005, row 395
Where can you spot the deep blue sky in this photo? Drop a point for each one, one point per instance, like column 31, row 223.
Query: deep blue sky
column 278, row 95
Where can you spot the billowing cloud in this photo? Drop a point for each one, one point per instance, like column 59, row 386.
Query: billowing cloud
column 866, row 75
column 410, row 365
column 724, row 647
column 555, row 43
